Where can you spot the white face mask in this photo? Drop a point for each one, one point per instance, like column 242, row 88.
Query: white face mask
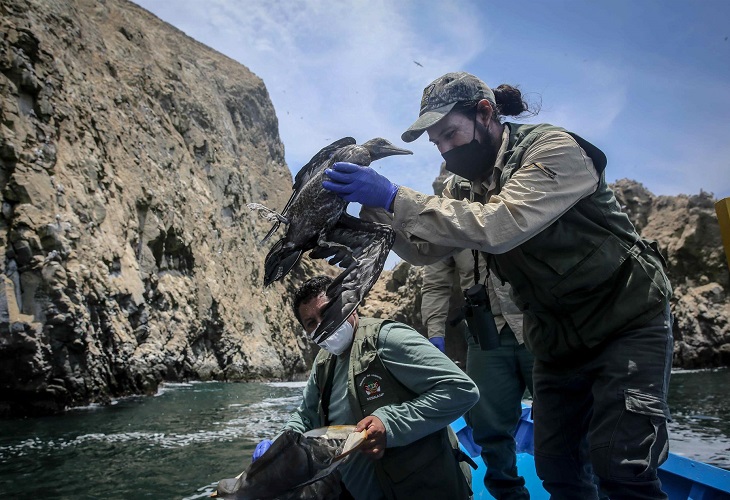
column 338, row 342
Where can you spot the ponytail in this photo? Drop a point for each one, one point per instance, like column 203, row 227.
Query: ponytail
column 510, row 102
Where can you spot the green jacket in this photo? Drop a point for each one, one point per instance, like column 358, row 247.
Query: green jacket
column 586, row 276
column 428, row 468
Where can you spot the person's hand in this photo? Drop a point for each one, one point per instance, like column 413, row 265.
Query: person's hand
column 261, row 449
column 360, row 184
column 439, row 342
column 374, row 445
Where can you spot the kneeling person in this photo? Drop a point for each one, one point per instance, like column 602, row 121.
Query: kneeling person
column 390, row 380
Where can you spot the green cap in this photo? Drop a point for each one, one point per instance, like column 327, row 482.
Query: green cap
column 442, row 95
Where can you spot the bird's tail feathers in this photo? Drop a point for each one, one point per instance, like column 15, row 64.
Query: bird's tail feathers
column 279, row 261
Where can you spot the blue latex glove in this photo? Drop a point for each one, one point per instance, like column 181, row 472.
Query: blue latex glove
column 360, row 184
column 439, row 342
column 261, row 449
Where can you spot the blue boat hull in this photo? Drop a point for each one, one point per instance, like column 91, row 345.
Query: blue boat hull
column 682, row 478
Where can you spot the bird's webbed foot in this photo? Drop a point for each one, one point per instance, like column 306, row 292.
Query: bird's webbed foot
column 267, row 213
column 337, row 254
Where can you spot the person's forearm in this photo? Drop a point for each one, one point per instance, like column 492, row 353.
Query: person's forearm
column 305, row 417
column 444, row 392
column 418, row 253
column 555, row 175
column 429, row 412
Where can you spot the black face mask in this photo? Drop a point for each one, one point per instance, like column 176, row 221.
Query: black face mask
column 473, row 161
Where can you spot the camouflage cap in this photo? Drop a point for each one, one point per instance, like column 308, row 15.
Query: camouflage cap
column 442, row 95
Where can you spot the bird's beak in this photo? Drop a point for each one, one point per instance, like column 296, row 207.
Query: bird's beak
column 390, row 150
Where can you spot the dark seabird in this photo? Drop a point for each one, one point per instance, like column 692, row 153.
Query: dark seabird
column 317, row 220
column 296, row 466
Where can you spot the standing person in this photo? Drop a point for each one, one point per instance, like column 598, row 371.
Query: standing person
column 502, row 372
column 387, row 378
column 594, row 295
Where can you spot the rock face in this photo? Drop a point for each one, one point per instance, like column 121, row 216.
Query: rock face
column 128, row 152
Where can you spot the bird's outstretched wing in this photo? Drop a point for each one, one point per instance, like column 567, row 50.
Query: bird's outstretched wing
column 361, row 248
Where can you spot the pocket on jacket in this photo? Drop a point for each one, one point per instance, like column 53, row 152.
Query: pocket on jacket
column 592, row 271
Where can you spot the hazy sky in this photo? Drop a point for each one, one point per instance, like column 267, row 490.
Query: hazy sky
column 646, row 81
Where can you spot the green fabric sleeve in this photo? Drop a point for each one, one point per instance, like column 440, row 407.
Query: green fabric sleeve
column 444, row 392
column 438, row 283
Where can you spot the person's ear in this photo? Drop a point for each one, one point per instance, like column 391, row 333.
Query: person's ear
column 485, row 111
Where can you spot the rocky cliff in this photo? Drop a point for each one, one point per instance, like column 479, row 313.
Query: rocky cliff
column 688, row 233
column 128, row 152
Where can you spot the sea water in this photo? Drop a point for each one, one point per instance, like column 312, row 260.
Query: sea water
column 179, row 443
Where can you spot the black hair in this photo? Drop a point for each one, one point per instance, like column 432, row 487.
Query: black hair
column 509, row 101
column 310, row 289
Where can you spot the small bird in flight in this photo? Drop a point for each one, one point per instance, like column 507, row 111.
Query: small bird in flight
column 421, row 65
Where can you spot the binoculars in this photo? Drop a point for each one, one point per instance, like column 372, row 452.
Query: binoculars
column 479, row 317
